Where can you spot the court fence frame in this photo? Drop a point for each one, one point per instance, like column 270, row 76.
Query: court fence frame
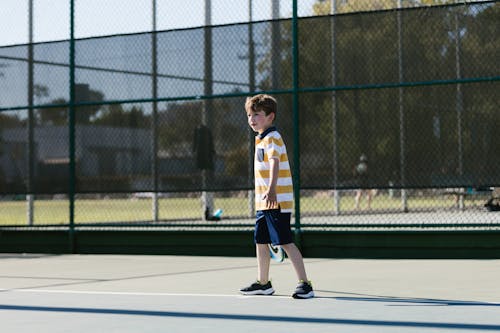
column 317, row 239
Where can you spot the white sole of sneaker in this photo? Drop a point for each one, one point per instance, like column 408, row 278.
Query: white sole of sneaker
column 304, row 296
column 269, row 291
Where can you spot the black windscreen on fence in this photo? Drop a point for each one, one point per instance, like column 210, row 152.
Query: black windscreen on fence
column 414, row 93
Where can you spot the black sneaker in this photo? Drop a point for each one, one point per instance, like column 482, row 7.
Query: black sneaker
column 304, row 290
column 258, row 289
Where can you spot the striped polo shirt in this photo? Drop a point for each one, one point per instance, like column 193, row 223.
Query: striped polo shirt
column 269, row 144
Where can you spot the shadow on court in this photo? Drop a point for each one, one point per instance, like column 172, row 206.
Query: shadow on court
column 260, row 318
column 406, row 301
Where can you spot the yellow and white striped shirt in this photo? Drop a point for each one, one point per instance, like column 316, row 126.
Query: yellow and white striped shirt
column 270, row 145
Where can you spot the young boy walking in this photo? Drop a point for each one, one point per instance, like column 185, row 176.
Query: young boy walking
column 273, row 198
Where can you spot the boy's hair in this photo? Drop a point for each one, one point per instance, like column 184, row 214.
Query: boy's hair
column 261, row 102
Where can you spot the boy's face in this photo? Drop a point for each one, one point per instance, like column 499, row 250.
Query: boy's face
column 258, row 120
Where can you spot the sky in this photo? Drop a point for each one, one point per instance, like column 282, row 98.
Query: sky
column 107, row 17
column 95, row 18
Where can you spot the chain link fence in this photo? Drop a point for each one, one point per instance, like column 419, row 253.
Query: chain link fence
column 132, row 115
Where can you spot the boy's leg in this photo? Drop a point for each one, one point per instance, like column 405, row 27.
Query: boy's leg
column 262, row 286
column 356, row 198
column 295, row 257
column 263, row 262
column 304, row 288
column 261, row 237
column 278, row 225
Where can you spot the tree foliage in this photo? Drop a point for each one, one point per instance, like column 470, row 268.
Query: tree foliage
column 358, row 53
column 115, row 115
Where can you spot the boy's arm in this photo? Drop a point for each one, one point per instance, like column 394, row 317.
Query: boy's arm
column 270, row 196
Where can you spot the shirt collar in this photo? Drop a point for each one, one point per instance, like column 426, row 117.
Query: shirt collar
column 266, row 132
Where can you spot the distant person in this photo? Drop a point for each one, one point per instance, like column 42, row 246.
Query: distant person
column 273, row 198
column 493, row 204
column 361, row 174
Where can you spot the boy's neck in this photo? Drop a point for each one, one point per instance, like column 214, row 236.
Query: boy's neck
column 262, row 130
column 266, row 131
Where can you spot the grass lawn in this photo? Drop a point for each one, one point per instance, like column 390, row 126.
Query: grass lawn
column 135, row 210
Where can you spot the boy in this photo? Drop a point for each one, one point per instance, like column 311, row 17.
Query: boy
column 273, row 198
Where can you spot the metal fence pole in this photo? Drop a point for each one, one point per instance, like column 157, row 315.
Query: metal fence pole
column 207, row 197
column 459, row 104
column 72, row 176
column 154, row 116
column 251, row 89
column 402, row 132
column 296, row 132
column 31, row 144
column 275, row 44
column 336, row 193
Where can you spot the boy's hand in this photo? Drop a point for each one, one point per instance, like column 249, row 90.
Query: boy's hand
column 270, row 195
column 271, row 199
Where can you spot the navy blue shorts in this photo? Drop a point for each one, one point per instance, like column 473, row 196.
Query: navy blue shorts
column 273, row 227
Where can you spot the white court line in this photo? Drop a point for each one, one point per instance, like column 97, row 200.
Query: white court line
column 92, row 292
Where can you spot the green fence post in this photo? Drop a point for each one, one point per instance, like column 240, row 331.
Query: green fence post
column 402, row 127
column 71, row 121
column 296, row 141
column 154, row 116
column 30, row 197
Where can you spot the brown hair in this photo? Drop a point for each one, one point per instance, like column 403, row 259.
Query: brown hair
column 261, row 102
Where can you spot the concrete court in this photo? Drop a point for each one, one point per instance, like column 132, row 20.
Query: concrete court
column 124, row 293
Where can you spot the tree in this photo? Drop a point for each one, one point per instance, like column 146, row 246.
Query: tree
column 40, row 91
column 58, row 115
column 366, row 53
column 176, row 125
column 114, row 115
column 323, row 7
column 480, row 45
column 7, row 121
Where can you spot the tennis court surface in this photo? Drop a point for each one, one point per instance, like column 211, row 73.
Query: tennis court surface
column 118, row 293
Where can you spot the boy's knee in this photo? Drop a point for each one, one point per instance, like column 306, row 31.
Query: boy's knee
column 288, row 246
